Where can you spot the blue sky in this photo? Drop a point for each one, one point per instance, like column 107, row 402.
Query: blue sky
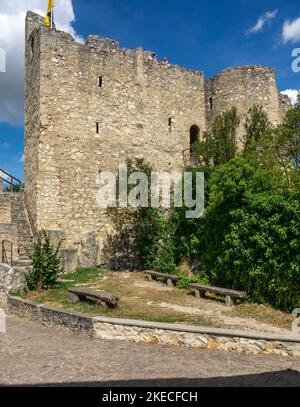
column 204, row 35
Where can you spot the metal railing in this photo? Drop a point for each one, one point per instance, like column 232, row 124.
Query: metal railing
column 7, row 254
column 10, row 180
column 30, row 219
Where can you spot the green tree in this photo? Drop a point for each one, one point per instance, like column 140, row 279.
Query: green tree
column 276, row 149
column 229, row 187
column 249, row 237
column 219, row 146
column 257, row 126
column 46, row 266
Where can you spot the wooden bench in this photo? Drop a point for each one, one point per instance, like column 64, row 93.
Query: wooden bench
column 230, row 295
column 170, row 279
column 103, row 299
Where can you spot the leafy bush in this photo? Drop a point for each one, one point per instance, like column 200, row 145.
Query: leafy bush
column 148, row 229
column 46, row 266
column 185, row 281
column 164, row 260
column 219, row 146
column 249, row 236
column 230, row 186
column 261, row 251
column 257, row 126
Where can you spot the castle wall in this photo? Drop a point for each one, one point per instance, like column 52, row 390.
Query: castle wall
column 90, row 107
column 32, row 111
column 144, row 108
column 243, row 87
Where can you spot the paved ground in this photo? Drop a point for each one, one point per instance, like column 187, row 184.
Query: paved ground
column 33, row 355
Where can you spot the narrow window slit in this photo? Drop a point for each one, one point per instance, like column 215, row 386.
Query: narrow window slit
column 32, row 46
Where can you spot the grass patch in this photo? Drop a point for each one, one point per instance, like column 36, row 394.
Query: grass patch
column 133, row 304
column 263, row 314
column 142, row 300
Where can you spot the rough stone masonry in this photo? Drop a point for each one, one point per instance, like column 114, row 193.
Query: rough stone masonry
column 91, row 106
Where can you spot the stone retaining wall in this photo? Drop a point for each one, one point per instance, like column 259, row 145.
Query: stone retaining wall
column 11, row 279
column 157, row 333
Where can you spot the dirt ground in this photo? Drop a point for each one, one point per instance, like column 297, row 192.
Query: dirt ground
column 151, row 300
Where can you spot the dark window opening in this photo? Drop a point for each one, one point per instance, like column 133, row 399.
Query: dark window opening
column 194, row 136
column 170, row 123
column 211, row 103
column 32, row 46
column 97, row 128
column 100, row 83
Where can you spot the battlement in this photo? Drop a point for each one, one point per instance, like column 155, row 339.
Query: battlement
column 99, row 44
column 249, row 68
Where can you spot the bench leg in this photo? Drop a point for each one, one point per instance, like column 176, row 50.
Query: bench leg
column 102, row 304
column 170, row 283
column 152, row 278
column 73, row 298
column 200, row 294
column 229, row 301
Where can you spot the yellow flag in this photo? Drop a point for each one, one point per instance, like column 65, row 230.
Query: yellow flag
column 49, row 15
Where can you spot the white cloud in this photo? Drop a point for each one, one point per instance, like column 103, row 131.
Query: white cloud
column 292, row 94
column 22, row 158
column 261, row 22
column 12, row 23
column 291, row 30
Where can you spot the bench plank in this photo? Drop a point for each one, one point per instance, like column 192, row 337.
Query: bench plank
column 164, row 276
column 221, row 291
column 78, row 294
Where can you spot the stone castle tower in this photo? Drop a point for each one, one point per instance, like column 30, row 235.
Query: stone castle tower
column 89, row 107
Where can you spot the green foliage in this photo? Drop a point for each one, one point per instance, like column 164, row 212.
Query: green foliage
column 16, row 188
column 148, row 228
column 148, row 232
column 185, row 281
column 224, row 132
column 249, row 236
column 164, row 260
column 219, row 146
column 230, row 185
column 46, row 266
column 257, row 126
column 260, row 252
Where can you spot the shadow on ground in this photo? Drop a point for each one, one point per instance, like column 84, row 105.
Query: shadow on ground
column 286, row 378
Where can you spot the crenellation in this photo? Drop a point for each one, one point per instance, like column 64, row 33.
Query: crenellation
column 101, row 43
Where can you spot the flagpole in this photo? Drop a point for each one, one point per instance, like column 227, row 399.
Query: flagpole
column 52, row 11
